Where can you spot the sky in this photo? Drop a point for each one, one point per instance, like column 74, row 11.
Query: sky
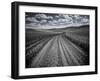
column 50, row 20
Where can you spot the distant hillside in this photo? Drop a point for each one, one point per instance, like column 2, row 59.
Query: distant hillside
column 85, row 27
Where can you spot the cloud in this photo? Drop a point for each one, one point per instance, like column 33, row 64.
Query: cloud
column 54, row 22
column 39, row 19
column 43, row 22
column 84, row 20
column 43, row 16
column 32, row 19
column 63, row 20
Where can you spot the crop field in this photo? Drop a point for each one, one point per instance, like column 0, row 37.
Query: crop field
column 57, row 47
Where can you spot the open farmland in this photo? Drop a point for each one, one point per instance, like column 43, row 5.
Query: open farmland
column 57, row 47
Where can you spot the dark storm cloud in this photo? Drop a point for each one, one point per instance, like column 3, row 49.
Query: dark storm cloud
column 45, row 19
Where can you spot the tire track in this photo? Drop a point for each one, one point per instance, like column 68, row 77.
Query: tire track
column 64, row 60
column 76, row 55
column 51, row 58
column 33, row 52
column 38, row 59
column 67, row 55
